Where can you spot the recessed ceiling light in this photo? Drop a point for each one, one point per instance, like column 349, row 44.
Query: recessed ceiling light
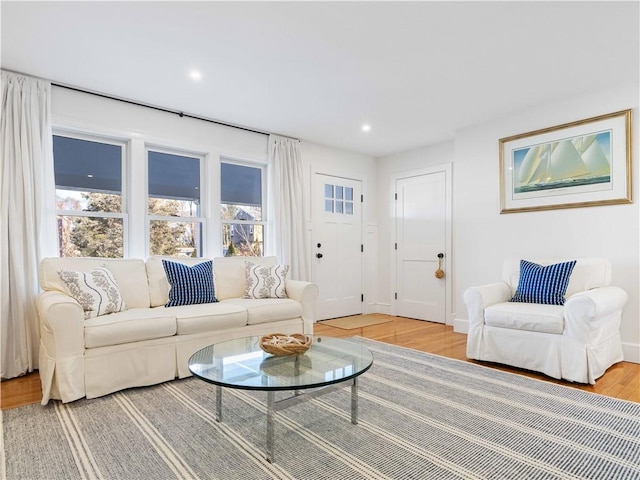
column 195, row 75
column 366, row 127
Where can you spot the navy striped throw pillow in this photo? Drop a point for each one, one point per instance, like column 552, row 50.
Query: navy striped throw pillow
column 189, row 285
column 538, row 284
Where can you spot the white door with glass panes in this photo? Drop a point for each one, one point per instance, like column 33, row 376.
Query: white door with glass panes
column 337, row 246
column 421, row 235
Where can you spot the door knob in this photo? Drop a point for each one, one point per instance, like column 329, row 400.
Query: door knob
column 439, row 272
column 318, row 255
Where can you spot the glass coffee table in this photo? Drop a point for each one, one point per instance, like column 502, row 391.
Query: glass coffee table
column 323, row 368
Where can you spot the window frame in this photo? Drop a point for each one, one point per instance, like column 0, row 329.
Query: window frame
column 201, row 219
column 263, row 187
column 124, row 165
column 343, row 201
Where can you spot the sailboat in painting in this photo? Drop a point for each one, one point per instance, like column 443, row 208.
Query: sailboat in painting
column 577, row 161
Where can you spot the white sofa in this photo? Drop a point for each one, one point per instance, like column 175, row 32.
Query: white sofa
column 576, row 341
column 149, row 343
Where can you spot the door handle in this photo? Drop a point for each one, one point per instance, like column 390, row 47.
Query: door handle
column 439, row 272
column 318, row 255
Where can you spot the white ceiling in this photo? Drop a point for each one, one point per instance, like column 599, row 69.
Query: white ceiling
column 415, row 71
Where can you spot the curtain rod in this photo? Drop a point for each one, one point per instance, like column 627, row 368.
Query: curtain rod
column 146, row 105
column 166, row 110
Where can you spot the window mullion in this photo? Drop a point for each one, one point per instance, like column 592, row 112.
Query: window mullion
column 171, row 218
column 86, row 213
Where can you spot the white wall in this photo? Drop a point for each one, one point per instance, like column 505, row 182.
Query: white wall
column 483, row 237
column 602, row 231
column 113, row 117
column 610, row 231
column 139, row 125
column 72, row 110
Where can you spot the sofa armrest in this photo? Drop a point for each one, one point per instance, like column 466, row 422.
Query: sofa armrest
column 478, row 298
column 594, row 315
column 307, row 294
column 57, row 310
column 61, row 346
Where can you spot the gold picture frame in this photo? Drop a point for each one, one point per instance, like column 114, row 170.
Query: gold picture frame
column 578, row 164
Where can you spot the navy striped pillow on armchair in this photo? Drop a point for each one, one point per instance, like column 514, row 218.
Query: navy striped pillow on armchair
column 547, row 285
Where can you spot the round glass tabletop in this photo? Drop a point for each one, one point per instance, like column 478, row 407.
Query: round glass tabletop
column 242, row 364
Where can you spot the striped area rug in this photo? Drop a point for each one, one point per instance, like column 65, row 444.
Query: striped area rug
column 421, row 417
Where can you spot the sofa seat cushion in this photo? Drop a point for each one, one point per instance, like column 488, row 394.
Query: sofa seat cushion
column 133, row 325
column 265, row 310
column 207, row 317
column 526, row 316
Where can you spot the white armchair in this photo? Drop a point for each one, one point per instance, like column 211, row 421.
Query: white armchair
column 576, row 341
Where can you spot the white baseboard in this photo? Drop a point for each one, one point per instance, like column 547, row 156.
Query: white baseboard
column 384, row 308
column 461, row 325
column 631, row 351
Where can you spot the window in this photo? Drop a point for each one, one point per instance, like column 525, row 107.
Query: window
column 338, row 199
column 89, row 201
column 174, row 204
column 242, row 210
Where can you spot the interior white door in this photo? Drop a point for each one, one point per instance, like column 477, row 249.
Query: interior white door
column 421, row 216
column 337, row 246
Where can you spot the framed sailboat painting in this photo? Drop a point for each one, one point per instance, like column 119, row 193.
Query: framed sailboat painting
column 578, row 164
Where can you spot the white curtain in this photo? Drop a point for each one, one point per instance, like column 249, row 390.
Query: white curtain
column 27, row 215
column 287, row 238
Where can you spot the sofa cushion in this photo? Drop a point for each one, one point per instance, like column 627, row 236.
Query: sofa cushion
column 266, row 281
column 543, row 284
column 96, row 291
column 132, row 325
column 207, row 317
column 534, row 317
column 157, row 278
column 129, row 273
column 267, row 309
column 230, row 276
column 189, row 285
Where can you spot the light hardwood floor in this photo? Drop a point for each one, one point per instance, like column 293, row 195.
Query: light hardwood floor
column 620, row 381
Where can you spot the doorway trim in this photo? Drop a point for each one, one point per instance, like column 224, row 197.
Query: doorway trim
column 448, row 261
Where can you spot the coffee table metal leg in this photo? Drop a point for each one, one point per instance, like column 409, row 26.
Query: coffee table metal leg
column 354, row 401
column 271, row 413
column 218, row 403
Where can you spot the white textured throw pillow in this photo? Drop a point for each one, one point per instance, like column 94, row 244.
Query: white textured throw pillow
column 266, row 282
column 96, row 291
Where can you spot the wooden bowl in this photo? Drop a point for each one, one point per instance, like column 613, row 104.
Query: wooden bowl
column 281, row 344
